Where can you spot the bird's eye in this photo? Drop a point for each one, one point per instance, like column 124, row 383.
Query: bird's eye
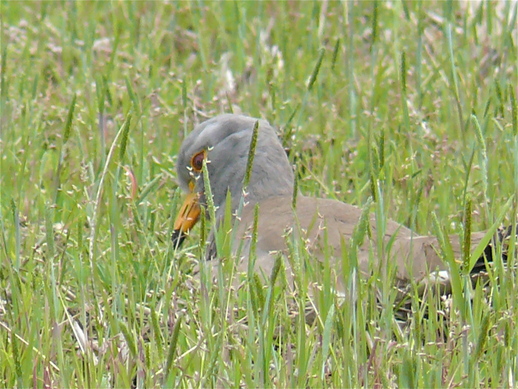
column 197, row 161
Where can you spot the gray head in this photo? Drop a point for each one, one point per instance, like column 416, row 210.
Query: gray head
column 225, row 142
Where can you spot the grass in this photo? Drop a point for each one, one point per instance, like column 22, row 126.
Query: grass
column 412, row 103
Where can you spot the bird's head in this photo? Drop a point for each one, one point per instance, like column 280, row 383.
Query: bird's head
column 223, row 143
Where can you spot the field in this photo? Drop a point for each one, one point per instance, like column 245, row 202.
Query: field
column 406, row 107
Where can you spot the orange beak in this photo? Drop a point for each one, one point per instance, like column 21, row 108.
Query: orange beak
column 187, row 217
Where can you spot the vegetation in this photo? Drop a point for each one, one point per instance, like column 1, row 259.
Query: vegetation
column 409, row 103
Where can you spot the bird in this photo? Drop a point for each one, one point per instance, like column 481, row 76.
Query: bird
column 224, row 144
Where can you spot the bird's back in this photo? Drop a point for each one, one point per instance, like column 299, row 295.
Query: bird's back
column 324, row 225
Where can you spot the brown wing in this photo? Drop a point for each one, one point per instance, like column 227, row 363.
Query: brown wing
column 324, row 221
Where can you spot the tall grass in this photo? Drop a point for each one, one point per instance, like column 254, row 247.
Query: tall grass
column 412, row 104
